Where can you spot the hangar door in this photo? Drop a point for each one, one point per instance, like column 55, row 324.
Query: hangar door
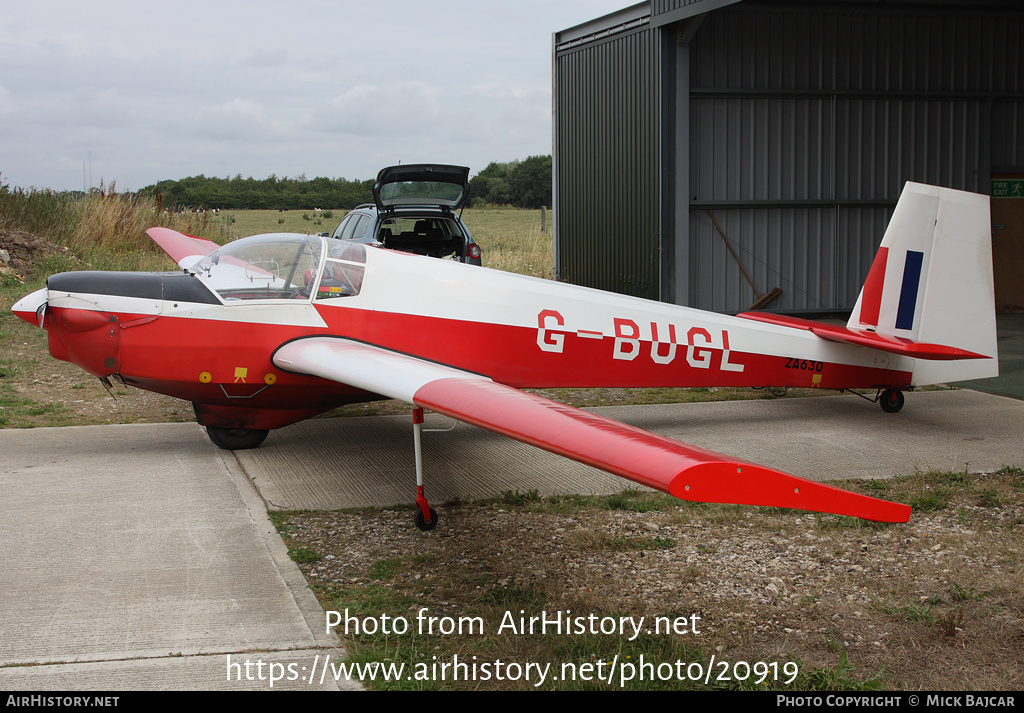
column 805, row 123
column 1008, row 241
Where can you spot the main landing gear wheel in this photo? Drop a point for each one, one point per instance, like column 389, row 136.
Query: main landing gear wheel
column 891, row 400
column 236, row 439
column 423, row 524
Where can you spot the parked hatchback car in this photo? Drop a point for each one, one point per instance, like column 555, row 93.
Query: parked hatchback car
column 417, row 209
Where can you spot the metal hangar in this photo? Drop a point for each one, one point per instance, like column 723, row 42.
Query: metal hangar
column 722, row 153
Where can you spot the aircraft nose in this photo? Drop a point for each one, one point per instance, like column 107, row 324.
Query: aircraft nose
column 32, row 308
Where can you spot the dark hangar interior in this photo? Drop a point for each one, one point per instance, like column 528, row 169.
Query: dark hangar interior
column 721, row 153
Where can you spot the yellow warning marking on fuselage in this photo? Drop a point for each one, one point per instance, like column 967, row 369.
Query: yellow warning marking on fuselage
column 206, row 377
column 816, row 380
column 270, row 379
column 240, row 373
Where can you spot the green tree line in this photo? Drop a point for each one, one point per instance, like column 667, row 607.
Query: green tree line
column 523, row 184
column 271, row 193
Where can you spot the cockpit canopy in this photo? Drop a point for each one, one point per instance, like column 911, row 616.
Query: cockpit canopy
column 283, row 266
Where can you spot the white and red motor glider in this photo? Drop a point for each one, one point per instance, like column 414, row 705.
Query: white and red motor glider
column 272, row 329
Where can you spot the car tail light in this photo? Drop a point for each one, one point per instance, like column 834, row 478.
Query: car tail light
column 474, row 251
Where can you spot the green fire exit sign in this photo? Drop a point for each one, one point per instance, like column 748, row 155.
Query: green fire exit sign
column 1008, row 187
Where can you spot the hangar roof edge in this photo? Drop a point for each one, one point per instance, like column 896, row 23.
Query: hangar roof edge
column 611, row 24
column 690, row 9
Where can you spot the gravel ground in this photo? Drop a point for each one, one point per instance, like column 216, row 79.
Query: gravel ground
column 935, row 604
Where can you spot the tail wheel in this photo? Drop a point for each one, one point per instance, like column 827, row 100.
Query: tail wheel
column 891, row 400
column 236, row 439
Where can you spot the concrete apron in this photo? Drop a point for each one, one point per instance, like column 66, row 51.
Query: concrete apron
column 140, row 557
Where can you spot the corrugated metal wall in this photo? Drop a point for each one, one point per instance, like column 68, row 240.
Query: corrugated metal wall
column 608, row 157
column 805, row 124
column 795, row 125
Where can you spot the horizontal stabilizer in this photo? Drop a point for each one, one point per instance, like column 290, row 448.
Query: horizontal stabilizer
column 864, row 338
column 186, row 250
column 688, row 472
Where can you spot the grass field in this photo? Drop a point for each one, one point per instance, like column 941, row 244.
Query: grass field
column 511, row 239
column 235, row 224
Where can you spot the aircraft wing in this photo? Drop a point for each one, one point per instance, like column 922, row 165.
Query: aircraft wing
column 185, row 250
column 685, row 471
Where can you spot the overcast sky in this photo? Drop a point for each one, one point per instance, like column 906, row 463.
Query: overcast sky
column 332, row 88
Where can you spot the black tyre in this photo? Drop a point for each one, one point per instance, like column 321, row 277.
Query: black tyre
column 892, row 400
column 423, row 524
column 236, row 439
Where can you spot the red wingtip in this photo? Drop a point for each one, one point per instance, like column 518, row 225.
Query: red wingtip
column 180, row 246
column 751, row 484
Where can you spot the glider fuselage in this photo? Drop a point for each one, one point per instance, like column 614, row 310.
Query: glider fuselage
column 171, row 333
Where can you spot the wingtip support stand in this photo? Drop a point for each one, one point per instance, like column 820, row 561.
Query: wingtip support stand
column 426, row 518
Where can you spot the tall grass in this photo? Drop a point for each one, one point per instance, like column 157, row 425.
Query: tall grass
column 33, row 211
column 119, row 225
column 107, row 231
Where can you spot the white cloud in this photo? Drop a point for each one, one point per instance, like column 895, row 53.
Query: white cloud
column 396, row 109
column 266, row 58
column 321, row 87
column 6, row 101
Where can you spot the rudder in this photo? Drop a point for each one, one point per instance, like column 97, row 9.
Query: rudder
column 931, row 281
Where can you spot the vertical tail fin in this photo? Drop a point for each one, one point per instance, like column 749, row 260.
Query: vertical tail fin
column 931, row 281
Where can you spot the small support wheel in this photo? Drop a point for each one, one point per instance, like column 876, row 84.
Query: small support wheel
column 236, row 439
column 891, row 400
column 422, row 523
